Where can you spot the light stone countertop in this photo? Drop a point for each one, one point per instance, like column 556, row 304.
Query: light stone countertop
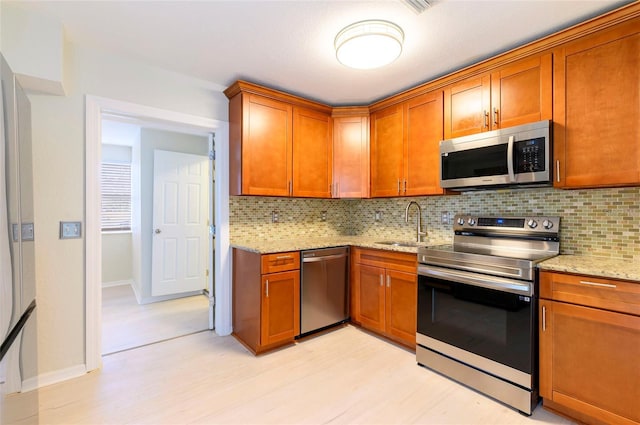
column 594, row 266
column 266, row 246
column 579, row 264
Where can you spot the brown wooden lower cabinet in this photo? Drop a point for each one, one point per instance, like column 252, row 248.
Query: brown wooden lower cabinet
column 266, row 299
column 590, row 348
column 384, row 293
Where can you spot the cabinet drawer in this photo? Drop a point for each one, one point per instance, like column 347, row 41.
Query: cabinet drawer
column 608, row 294
column 404, row 262
column 280, row 262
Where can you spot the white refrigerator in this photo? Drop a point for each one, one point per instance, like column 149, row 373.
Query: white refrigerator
column 18, row 311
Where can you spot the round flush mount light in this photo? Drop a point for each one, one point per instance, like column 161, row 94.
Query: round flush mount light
column 369, row 44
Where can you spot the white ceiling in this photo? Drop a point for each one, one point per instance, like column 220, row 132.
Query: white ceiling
column 288, row 45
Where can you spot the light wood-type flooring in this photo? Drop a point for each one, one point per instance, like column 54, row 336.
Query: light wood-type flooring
column 127, row 324
column 346, row 376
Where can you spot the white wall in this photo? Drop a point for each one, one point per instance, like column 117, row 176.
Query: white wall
column 116, row 246
column 43, row 68
column 58, row 150
column 117, row 258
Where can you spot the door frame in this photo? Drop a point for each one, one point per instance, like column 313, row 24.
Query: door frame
column 95, row 107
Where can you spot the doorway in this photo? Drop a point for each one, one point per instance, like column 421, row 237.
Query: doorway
column 142, row 306
column 219, row 283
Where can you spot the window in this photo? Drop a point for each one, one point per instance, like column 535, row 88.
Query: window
column 115, row 184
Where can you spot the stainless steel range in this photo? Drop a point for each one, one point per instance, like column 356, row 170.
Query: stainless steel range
column 477, row 305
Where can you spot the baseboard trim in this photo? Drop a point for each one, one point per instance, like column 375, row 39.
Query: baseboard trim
column 117, row 283
column 54, row 377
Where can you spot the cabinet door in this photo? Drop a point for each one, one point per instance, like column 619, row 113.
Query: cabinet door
column 312, row 153
column 589, row 361
column 522, row 93
column 371, row 297
column 280, row 315
column 466, row 107
column 597, row 109
column 266, row 146
column 424, row 130
column 401, row 305
column 351, row 157
column 387, row 152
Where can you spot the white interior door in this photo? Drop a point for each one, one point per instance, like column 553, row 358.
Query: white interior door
column 180, row 216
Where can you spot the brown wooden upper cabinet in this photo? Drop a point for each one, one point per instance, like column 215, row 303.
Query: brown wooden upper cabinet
column 404, row 147
column 312, row 153
column 278, row 147
column 351, row 155
column 515, row 94
column 597, row 109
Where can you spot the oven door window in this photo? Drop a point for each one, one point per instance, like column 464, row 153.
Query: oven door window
column 492, row 324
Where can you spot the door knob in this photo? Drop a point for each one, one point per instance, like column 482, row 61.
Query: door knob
column 158, row 231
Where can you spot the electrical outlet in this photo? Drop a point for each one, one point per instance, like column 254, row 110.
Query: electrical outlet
column 70, row 229
column 378, row 216
column 323, row 216
column 274, row 217
column 445, row 218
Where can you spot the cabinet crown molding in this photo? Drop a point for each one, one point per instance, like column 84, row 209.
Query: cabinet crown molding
column 242, row 86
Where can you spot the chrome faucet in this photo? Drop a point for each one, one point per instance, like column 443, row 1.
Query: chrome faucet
column 419, row 233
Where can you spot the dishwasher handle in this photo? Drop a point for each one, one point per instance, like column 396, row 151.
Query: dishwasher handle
column 323, row 258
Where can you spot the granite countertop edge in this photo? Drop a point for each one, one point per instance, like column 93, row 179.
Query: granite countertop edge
column 300, row 244
column 602, row 267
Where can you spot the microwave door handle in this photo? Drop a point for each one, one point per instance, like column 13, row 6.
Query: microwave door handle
column 512, row 176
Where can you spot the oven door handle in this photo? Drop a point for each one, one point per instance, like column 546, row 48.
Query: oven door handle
column 474, row 279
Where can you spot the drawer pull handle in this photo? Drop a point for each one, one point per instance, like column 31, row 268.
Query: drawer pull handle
column 605, row 285
column 283, row 257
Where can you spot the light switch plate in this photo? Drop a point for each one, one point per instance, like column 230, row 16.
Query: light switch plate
column 27, row 232
column 70, row 229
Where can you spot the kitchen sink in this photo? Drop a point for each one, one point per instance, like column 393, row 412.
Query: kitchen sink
column 401, row 243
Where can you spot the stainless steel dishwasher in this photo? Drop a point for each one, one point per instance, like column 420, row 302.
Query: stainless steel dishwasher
column 324, row 295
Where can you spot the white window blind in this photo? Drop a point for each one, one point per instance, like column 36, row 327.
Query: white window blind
column 115, row 184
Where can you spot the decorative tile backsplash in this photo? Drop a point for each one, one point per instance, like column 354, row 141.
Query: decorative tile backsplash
column 600, row 222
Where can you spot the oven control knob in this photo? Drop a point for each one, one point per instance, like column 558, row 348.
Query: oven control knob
column 461, row 221
column 547, row 224
column 532, row 224
column 471, row 221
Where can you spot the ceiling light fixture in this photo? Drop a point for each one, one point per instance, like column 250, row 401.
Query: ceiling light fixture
column 369, row 44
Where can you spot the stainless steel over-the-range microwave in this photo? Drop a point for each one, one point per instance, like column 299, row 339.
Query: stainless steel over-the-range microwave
column 507, row 157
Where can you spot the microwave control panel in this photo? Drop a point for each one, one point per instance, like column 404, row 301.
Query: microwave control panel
column 529, row 155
